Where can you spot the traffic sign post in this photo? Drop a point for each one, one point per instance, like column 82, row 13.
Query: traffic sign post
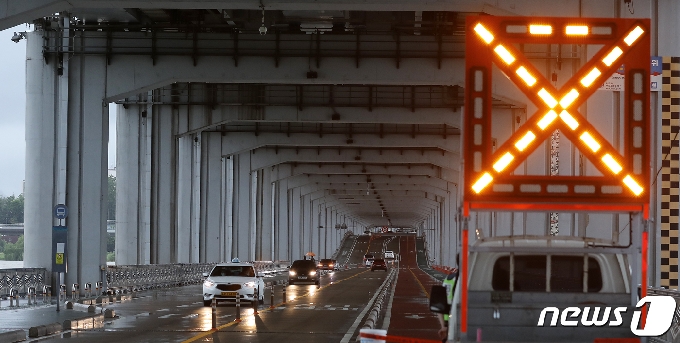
column 59, row 247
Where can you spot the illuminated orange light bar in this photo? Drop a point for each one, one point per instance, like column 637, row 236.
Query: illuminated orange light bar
column 503, row 162
column 482, row 182
column 590, row 141
column 540, row 29
column 576, row 30
column 526, row 76
column 524, row 141
column 504, row 54
column 634, row 35
column 547, row 98
column 569, row 98
column 484, row 33
column 569, row 120
column 632, row 185
column 612, row 56
column 611, row 163
column 547, row 119
column 591, row 77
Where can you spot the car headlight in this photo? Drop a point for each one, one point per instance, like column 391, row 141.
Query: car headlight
column 209, row 283
column 312, row 273
column 291, row 272
column 250, row 284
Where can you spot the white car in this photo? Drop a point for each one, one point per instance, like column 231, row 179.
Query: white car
column 226, row 281
column 389, row 254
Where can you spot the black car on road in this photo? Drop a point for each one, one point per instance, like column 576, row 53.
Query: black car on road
column 303, row 271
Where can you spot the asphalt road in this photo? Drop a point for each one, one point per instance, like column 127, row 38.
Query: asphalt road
column 332, row 312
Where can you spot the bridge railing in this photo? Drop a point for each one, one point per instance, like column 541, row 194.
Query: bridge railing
column 121, row 279
column 673, row 334
column 132, row 278
column 21, row 279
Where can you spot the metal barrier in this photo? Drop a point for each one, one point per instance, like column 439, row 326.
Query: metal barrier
column 127, row 278
column 673, row 334
column 20, row 279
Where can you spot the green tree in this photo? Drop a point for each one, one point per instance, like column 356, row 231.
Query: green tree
column 111, row 214
column 15, row 251
column 12, row 209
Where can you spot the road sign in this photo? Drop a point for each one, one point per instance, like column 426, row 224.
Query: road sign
column 59, row 249
column 60, row 211
column 490, row 183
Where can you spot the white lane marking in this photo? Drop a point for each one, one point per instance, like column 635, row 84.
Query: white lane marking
column 145, row 314
column 193, row 315
column 168, row 315
column 163, row 310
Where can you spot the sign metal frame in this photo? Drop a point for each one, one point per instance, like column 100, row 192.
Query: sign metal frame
column 624, row 186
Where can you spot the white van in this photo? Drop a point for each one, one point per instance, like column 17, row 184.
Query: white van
column 513, row 279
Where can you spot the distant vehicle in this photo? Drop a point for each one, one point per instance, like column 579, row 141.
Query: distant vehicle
column 368, row 259
column 379, row 263
column 389, row 254
column 226, row 281
column 327, row 264
column 303, row 271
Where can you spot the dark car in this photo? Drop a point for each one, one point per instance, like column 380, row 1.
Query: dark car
column 379, row 263
column 327, row 264
column 303, row 271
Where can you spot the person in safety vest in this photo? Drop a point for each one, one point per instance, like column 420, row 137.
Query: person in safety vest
column 450, row 283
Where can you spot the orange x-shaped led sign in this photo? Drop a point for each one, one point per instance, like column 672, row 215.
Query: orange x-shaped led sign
column 490, row 39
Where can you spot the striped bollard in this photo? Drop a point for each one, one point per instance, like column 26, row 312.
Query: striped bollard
column 238, row 308
column 271, row 296
column 214, row 313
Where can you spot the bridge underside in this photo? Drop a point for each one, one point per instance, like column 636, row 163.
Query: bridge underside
column 343, row 117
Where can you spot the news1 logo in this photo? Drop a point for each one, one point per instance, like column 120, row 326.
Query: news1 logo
column 659, row 316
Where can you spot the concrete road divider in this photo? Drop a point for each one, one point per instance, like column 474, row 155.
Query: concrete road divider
column 12, row 336
column 44, row 330
column 90, row 322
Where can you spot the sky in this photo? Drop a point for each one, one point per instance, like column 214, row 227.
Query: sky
column 13, row 114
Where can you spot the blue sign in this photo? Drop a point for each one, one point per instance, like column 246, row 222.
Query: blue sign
column 60, row 211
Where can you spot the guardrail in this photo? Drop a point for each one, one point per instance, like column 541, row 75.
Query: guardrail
column 673, row 334
column 20, row 280
column 121, row 279
column 132, row 278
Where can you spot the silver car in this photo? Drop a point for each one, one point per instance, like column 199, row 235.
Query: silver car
column 226, row 281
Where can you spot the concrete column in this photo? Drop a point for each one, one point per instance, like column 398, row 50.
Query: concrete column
column 283, row 229
column 211, row 198
column 163, row 190
column 86, row 168
column 41, row 96
column 127, row 184
column 242, row 230
column 297, row 234
column 266, row 217
column 187, row 199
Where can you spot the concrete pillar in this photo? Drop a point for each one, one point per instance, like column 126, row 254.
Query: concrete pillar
column 266, row 217
column 243, row 229
column 86, row 168
column 211, row 198
column 41, row 96
column 297, row 234
column 127, row 184
column 163, row 190
column 282, row 228
column 188, row 199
